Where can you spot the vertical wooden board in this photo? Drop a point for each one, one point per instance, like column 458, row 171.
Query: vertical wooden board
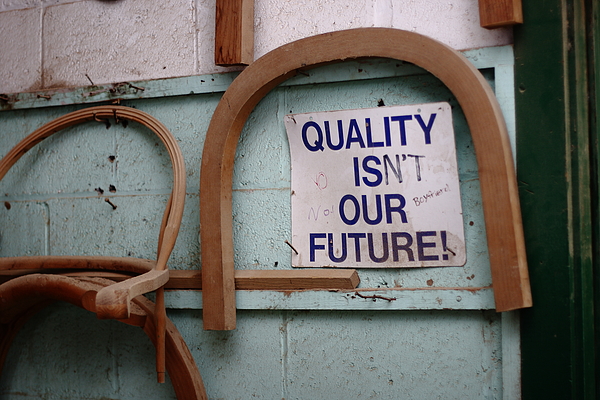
column 497, row 13
column 234, row 32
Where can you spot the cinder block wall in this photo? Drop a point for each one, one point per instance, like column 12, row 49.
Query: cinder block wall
column 56, row 43
column 65, row 353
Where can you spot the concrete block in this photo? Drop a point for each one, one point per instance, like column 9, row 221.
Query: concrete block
column 277, row 22
column 242, row 364
column 117, row 41
column 66, row 352
column 9, row 5
column 23, row 228
column 73, row 161
column 261, row 225
column 454, row 23
column 393, row 355
column 187, row 117
column 21, row 49
column 262, row 158
column 90, row 226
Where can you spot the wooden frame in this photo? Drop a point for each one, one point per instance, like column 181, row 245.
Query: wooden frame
column 24, row 296
column 115, row 301
column 497, row 175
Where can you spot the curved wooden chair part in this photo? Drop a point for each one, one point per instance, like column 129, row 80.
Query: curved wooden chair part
column 22, row 297
column 496, row 170
column 114, row 301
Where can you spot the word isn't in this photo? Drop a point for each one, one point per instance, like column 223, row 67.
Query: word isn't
column 400, row 246
column 315, row 136
column 375, row 174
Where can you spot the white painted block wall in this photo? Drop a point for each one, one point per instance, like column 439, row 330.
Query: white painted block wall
column 55, row 43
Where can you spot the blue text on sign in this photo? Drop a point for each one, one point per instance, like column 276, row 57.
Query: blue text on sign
column 316, row 137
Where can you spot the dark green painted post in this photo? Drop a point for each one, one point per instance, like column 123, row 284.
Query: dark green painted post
column 593, row 23
column 554, row 115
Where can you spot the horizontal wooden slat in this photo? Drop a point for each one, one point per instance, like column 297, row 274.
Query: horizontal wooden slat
column 296, row 279
column 244, row 279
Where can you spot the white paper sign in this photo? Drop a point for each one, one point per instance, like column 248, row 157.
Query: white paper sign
column 375, row 188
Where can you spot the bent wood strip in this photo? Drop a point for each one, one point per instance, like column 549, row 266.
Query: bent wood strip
column 17, row 297
column 24, row 292
column 111, row 301
column 273, row 280
column 125, row 264
column 496, row 171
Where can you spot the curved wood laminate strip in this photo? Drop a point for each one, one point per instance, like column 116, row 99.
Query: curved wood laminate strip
column 24, row 296
column 114, row 301
column 481, row 109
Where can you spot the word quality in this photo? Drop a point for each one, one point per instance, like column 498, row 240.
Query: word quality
column 313, row 138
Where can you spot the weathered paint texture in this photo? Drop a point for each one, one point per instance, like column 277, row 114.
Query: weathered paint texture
column 286, row 346
column 272, row 355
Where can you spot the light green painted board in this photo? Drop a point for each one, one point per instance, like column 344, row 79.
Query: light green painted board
column 412, row 347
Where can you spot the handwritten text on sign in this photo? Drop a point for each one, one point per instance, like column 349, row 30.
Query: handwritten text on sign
column 375, row 188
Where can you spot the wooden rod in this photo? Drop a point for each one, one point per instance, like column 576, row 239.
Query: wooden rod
column 244, row 279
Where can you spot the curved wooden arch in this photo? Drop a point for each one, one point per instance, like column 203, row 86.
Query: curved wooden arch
column 174, row 210
column 114, row 301
column 483, row 114
column 24, row 296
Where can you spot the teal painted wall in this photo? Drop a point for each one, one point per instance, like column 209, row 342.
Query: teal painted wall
column 440, row 341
